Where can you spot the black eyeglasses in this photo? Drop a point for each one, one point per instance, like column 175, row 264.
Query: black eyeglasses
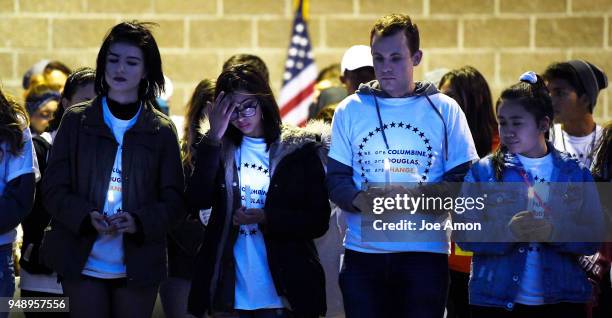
column 245, row 109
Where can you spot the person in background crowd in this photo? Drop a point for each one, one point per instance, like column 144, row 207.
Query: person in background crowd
column 574, row 87
column 37, row 280
column 56, row 73
column 261, row 186
column 35, row 70
column 356, row 67
column 470, row 90
column 532, row 269
column 79, row 88
column 385, row 117
column 598, row 266
column 328, row 90
column 18, row 174
column 41, row 102
column 114, row 184
column 185, row 240
column 53, row 72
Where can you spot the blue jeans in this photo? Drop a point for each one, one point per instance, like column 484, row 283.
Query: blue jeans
column 410, row 284
column 7, row 273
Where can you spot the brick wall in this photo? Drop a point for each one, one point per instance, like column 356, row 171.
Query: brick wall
column 501, row 38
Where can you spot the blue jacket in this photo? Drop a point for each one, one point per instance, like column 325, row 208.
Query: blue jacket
column 497, row 267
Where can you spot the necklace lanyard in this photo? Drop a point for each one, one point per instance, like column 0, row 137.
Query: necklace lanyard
column 547, row 210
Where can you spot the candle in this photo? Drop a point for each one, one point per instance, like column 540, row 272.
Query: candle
column 387, row 172
column 531, row 204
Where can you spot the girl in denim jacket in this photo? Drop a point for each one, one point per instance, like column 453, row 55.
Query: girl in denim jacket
column 541, row 215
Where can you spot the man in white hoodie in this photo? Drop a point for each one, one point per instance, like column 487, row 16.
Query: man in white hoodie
column 424, row 137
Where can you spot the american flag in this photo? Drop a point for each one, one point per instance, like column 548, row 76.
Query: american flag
column 297, row 92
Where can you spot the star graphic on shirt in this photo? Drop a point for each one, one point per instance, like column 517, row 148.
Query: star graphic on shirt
column 265, row 171
column 430, row 156
column 243, row 232
column 393, row 124
column 365, row 139
column 428, row 148
column 426, row 170
column 259, row 168
column 424, row 177
column 400, row 125
column 361, row 146
column 377, row 129
column 371, row 134
column 408, row 126
column 429, row 163
column 426, row 141
column 363, row 174
column 421, row 134
column 253, row 165
column 246, row 165
column 385, row 126
column 359, row 153
column 359, row 161
column 415, row 129
column 253, row 232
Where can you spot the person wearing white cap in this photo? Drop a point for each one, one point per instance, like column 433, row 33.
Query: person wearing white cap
column 356, row 67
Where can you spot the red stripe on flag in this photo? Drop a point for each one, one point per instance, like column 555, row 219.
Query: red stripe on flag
column 297, row 99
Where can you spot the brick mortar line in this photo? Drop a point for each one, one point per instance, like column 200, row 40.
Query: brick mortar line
column 318, row 49
column 372, row 17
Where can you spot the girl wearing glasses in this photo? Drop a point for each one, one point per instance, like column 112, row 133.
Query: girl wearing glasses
column 261, row 186
column 114, row 184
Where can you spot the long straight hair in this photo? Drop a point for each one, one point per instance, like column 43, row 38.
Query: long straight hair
column 196, row 111
column 472, row 93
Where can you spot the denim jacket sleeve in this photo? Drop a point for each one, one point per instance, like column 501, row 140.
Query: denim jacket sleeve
column 589, row 228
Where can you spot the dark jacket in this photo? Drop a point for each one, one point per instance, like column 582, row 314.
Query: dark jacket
column 34, row 224
column 77, row 179
column 297, row 211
